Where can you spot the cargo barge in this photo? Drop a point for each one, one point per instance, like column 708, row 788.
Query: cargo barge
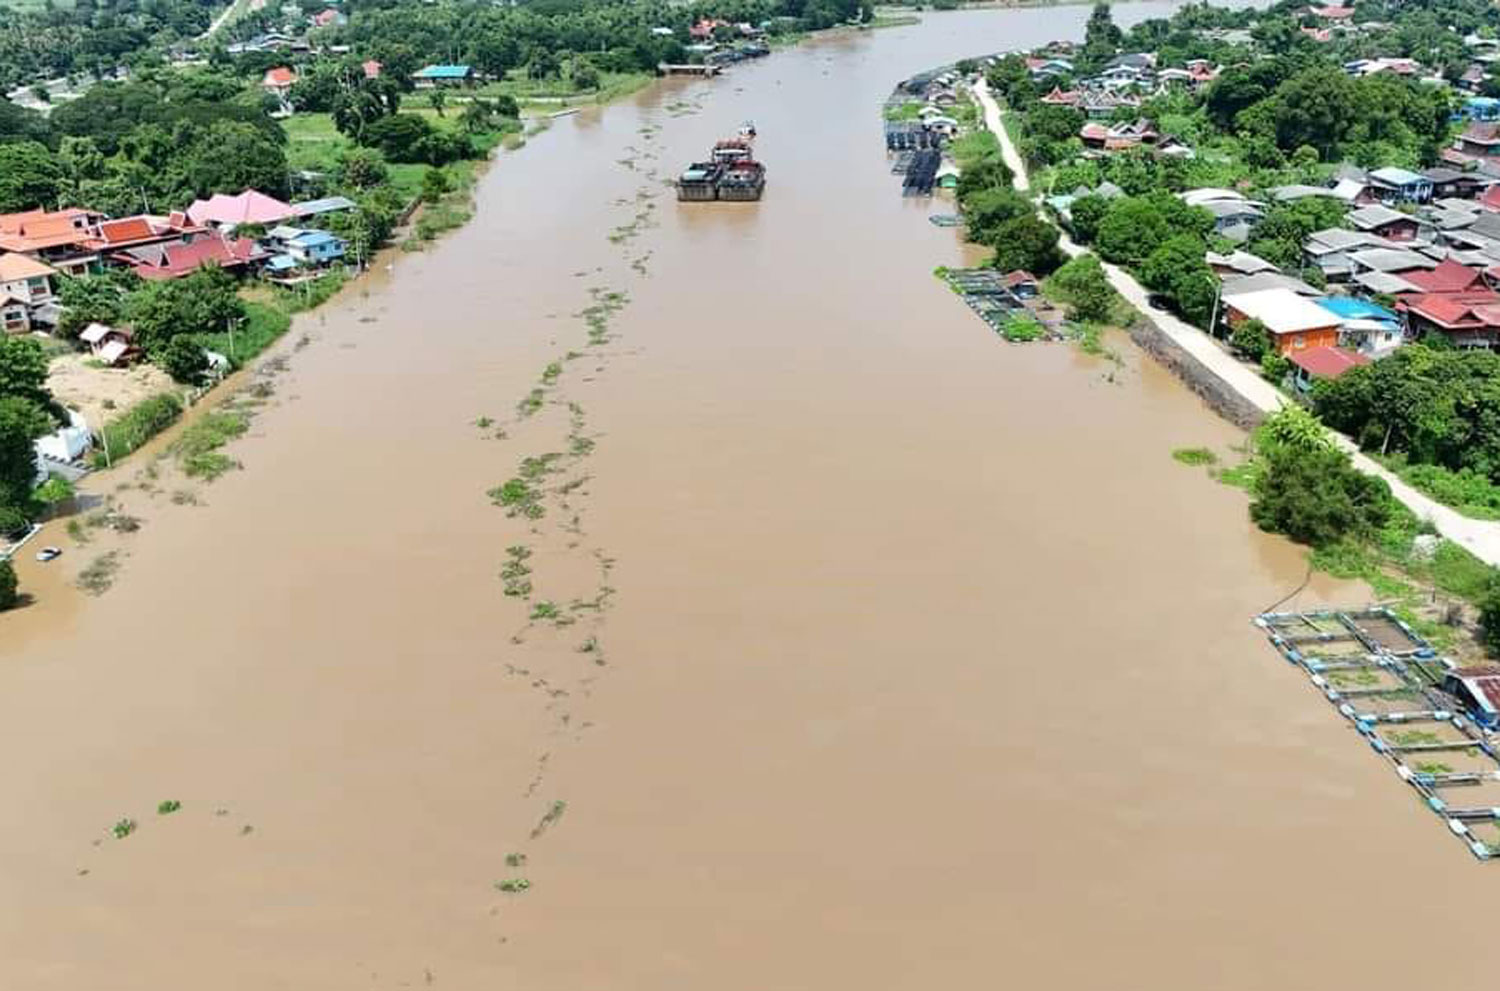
column 731, row 174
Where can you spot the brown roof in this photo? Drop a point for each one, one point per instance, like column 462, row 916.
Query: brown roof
column 1484, row 681
column 14, row 267
column 21, row 223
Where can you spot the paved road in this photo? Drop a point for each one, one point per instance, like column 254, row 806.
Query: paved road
column 1480, row 537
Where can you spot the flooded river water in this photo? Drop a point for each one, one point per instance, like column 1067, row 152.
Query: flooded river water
column 890, row 656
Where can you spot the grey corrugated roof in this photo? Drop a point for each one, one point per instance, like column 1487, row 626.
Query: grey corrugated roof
column 327, row 204
column 1375, row 215
column 1267, row 280
column 1391, row 259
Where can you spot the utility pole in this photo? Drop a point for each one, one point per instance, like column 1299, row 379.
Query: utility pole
column 230, row 322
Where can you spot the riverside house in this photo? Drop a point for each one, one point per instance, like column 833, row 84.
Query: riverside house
column 249, row 207
column 58, row 238
column 179, row 259
column 1468, row 319
column 1382, row 221
column 1393, row 185
column 1317, row 363
column 433, row 76
column 1295, row 323
column 25, row 293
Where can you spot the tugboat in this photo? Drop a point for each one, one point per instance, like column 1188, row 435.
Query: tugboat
column 732, row 173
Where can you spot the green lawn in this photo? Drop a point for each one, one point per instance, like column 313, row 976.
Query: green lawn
column 313, row 143
column 612, row 85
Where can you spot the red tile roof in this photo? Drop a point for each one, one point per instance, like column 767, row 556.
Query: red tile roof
column 279, row 76
column 372, row 69
column 1327, row 363
column 1491, row 199
column 1475, row 309
column 175, row 260
column 1449, row 276
column 113, row 232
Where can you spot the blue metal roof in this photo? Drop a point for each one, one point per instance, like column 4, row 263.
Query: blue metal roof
column 280, row 263
column 1350, row 308
column 442, row 72
column 309, row 239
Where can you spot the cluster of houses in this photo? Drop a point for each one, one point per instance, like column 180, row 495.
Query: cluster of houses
column 248, row 233
column 290, row 33
column 1419, row 254
column 1124, row 84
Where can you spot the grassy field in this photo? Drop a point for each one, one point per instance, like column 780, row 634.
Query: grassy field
column 612, row 85
column 313, row 143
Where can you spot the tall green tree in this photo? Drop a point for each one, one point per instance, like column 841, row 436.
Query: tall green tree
column 30, row 177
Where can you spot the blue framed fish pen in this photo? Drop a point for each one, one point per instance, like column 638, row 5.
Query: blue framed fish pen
column 1386, row 680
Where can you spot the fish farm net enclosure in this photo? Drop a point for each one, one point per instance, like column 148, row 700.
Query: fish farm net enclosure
column 1410, row 707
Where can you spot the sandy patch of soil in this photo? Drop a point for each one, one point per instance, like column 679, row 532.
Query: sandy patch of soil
column 102, row 394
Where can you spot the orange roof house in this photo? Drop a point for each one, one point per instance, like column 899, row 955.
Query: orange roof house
column 279, row 80
column 58, row 237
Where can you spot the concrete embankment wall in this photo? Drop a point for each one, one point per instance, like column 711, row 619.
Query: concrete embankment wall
column 1214, row 391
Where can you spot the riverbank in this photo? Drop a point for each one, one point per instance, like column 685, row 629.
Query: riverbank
column 1214, row 369
column 856, row 550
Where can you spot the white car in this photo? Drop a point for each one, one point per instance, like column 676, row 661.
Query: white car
column 48, row 554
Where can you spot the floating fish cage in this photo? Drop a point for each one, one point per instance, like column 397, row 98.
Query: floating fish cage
column 1384, row 677
column 912, row 137
column 984, row 291
column 922, row 173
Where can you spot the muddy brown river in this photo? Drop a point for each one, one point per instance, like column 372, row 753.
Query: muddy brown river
column 870, row 652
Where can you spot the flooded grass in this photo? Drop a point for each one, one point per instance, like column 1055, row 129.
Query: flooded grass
column 197, row 450
column 533, row 402
column 550, row 818
column 516, row 572
column 97, row 577
column 1195, row 456
column 519, row 498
